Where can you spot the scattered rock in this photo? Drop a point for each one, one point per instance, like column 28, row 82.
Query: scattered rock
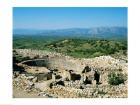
column 68, row 77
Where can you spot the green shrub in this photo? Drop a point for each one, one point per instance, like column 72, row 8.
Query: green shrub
column 96, row 54
column 116, row 78
column 83, row 48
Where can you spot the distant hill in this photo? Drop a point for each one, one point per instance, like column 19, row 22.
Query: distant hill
column 98, row 32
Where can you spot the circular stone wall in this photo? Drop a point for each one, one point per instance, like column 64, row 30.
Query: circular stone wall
column 56, row 63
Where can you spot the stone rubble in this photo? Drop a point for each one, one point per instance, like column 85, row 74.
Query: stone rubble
column 73, row 89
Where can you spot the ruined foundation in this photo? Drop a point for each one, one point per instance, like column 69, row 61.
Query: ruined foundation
column 62, row 76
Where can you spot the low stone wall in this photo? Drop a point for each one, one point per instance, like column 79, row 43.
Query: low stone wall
column 54, row 61
column 104, row 64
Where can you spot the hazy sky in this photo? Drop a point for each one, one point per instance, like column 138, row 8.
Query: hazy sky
column 68, row 17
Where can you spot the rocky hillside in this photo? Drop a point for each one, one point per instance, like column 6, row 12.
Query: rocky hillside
column 50, row 74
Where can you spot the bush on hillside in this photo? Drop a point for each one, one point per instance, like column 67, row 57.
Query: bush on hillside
column 116, row 78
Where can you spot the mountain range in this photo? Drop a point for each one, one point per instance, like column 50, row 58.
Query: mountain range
column 98, row 32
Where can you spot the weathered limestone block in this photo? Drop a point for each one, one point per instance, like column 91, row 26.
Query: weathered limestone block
column 43, row 85
column 66, row 75
column 43, row 76
column 94, row 83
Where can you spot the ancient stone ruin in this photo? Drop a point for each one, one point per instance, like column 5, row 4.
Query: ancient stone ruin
column 62, row 76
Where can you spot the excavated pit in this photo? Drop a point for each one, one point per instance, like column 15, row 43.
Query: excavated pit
column 52, row 63
column 37, row 63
